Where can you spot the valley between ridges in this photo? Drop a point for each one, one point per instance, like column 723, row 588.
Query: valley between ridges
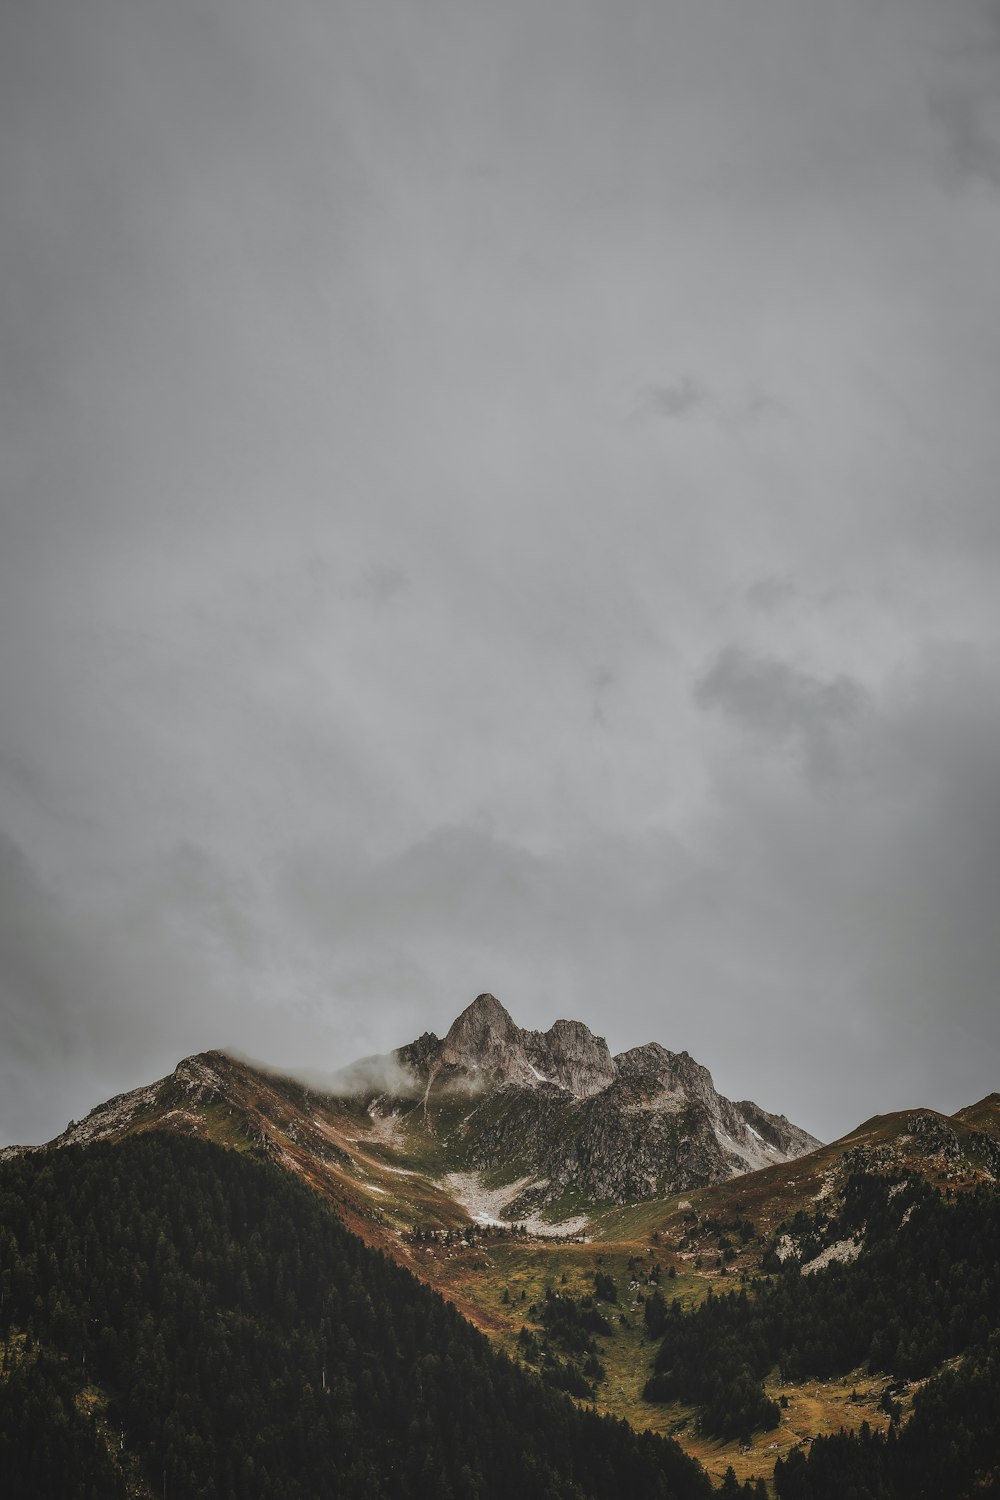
column 395, row 1172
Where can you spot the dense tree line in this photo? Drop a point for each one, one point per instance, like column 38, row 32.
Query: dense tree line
column 45, row 1437
column 949, row 1450
column 926, row 1288
column 571, row 1323
column 253, row 1349
column 567, row 1325
column 605, row 1287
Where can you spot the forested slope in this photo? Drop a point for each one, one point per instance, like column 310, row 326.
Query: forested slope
column 185, row 1320
column 949, row 1450
column 920, row 1300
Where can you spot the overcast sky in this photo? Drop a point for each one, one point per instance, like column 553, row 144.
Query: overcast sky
column 501, row 496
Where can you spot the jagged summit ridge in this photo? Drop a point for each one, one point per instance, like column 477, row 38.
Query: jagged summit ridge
column 483, row 1037
column 549, row 1112
column 484, row 1044
column 644, row 1122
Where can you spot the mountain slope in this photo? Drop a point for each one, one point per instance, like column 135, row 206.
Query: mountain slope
column 222, row 1335
column 357, row 1161
column 706, row 1241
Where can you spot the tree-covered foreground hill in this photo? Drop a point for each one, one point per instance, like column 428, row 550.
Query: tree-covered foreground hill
column 179, row 1320
column 919, row 1304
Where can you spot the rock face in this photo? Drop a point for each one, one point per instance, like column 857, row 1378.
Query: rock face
column 484, row 1045
column 196, row 1083
column 556, row 1107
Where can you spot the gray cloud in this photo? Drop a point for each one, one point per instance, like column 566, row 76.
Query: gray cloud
column 677, row 400
column 781, row 703
column 356, row 656
column 768, row 594
column 94, row 1000
column 974, row 147
column 382, row 584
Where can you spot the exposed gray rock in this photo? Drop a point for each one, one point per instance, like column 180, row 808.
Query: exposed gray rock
column 484, row 1045
column 869, row 1159
column 935, row 1137
column 569, row 1054
column 556, row 1106
column 484, row 1039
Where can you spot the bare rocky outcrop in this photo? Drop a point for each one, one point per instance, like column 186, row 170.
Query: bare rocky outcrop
column 560, row 1109
column 196, row 1082
column 484, row 1046
column 570, row 1055
column 484, row 1039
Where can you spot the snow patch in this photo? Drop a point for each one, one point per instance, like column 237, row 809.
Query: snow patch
column 485, row 1205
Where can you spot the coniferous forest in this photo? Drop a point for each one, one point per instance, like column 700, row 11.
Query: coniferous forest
column 197, row 1315
column 924, row 1294
column 949, row 1450
column 181, row 1320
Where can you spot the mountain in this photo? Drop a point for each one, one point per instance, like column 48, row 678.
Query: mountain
column 951, row 1152
column 551, row 1118
column 728, row 1237
column 428, row 1153
column 484, row 1045
column 887, row 1288
column 563, row 1121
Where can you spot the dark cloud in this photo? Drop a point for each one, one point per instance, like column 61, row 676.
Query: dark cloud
column 783, row 704
column 382, row 583
column 356, row 656
column 768, row 594
column 974, row 145
column 52, row 1026
column 885, row 879
column 93, row 1000
column 678, row 400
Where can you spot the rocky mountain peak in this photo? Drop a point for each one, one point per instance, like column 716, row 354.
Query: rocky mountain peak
column 570, row 1055
column 646, row 1122
column 484, row 1043
column 659, row 1073
column 483, row 1037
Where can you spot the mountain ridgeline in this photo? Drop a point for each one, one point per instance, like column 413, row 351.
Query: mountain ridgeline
column 561, row 1111
column 555, row 1122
